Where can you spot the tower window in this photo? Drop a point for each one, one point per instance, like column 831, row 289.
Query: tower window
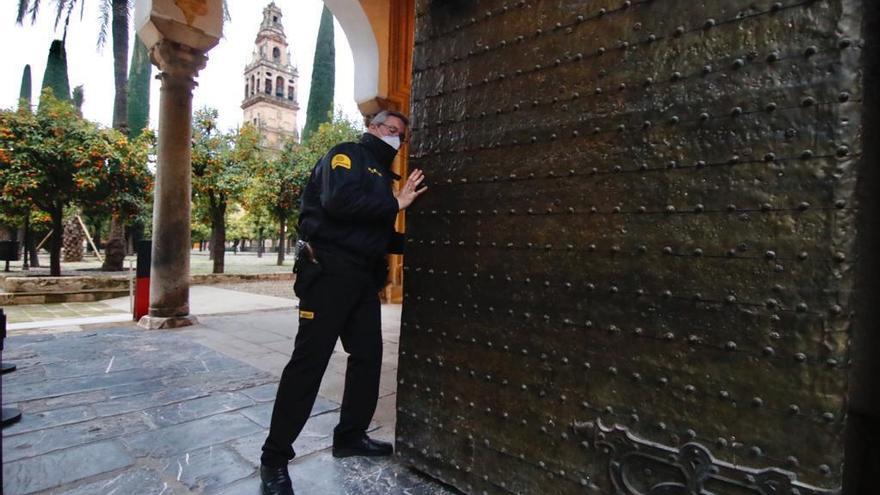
column 275, row 19
column 268, row 86
column 279, row 87
column 246, row 90
column 276, row 54
column 290, row 92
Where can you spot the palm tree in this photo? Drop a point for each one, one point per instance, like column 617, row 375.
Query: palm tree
column 114, row 14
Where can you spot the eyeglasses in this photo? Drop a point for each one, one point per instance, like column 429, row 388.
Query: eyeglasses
column 394, row 131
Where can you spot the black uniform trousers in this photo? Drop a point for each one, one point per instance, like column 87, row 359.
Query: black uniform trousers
column 338, row 299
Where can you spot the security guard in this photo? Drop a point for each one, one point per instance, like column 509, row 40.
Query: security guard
column 347, row 220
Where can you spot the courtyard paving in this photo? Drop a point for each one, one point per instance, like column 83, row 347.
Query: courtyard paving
column 120, row 410
column 204, row 300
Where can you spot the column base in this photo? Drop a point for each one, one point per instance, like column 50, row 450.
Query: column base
column 166, row 323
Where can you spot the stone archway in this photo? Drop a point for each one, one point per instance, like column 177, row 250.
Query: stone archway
column 363, row 43
column 380, row 34
column 382, row 81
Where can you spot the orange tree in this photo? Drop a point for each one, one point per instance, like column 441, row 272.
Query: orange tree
column 126, row 183
column 54, row 158
column 276, row 186
column 51, row 158
column 220, row 167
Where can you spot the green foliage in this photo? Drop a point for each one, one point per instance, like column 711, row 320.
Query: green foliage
column 257, row 217
column 220, row 161
column 320, row 107
column 50, row 158
column 127, row 187
column 139, row 89
column 276, row 184
column 200, row 221
column 55, row 76
column 239, row 228
column 329, row 134
column 55, row 158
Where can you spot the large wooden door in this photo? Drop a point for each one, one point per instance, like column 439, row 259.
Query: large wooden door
column 633, row 273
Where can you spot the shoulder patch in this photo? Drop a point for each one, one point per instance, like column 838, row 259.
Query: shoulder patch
column 340, row 160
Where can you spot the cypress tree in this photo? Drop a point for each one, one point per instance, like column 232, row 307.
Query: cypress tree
column 323, row 77
column 139, row 89
column 55, row 76
column 24, row 95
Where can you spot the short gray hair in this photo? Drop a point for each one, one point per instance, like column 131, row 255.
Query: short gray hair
column 382, row 116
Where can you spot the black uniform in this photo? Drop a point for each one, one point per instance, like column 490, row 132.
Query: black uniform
column 347, row 216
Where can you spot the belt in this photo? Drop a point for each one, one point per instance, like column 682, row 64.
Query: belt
column 322, row 249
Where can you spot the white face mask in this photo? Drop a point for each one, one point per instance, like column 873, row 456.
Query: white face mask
column 393, row 141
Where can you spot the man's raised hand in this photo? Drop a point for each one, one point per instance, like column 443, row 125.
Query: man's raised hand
column 410, row 190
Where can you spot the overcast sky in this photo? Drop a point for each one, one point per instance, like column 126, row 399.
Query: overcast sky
column 221, row 83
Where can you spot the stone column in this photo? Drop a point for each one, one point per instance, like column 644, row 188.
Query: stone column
column 169, row 271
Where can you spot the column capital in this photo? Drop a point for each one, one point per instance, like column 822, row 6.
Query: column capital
column 177, row 61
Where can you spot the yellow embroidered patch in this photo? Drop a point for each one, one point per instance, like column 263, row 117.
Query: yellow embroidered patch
column 374, row 171
column 340, row 160
column 306, row 315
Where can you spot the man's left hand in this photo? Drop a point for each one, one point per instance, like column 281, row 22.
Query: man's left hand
column 410, row 190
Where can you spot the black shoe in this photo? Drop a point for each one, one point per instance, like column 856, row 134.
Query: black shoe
column 364, row 446
column 275, row 481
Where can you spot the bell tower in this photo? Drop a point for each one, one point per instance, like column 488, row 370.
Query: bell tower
column 270, row 83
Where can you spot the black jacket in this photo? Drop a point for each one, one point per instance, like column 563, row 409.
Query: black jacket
column 348, row 203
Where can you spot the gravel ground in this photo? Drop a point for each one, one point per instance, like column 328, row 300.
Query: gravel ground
column 279, row 288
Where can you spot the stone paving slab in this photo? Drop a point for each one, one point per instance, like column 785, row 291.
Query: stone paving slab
column 138, row 480
column 127, row 411
column 321, row 474
column 56, row 417
column 44, row 441
column 39, row 473
column 208, row 470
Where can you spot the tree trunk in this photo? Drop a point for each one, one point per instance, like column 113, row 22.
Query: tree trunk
column 218, row 236
column 260, row 242
column 13, row 236
column 96, row 237
column 281, row 242
column 22, row 245
column 210, row 246
column 119, row 30
column 30, row 251
column 114, row 253
column 73, row 240
column 55, row 242
column 137, row 235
